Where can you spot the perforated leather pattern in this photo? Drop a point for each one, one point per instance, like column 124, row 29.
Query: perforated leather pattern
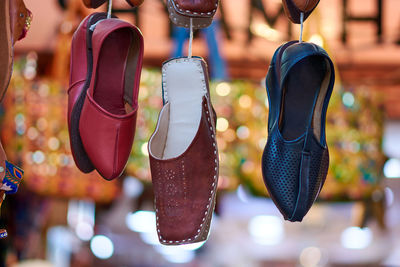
column 318, row 170
column 281, row 165
column 281, row 171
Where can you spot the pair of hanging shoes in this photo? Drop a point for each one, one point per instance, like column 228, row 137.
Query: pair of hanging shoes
column 15, row 20
column 106, row 63
column 98, row 3
column 184, row 155
column 295, row 161
column 201, row 12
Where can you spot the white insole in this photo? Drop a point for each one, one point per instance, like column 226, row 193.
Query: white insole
column 184, row 87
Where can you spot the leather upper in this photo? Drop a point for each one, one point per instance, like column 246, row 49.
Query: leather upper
column 295, row 53
column 274, row 91
column 80, row 73
column 294, row 171
column 107, row 137
column 185, row 186
column 196, row 7
column 78, row 66
column 293, row 190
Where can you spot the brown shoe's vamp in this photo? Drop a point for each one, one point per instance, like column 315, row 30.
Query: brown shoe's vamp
column 185, row 186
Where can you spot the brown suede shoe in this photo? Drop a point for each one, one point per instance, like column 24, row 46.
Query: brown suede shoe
column 184, row 155
column 201, row 12
column 293, row 8
column 15, row 20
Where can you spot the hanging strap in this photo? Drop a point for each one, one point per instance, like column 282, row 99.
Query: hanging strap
column 109, row 9
column 301, row 27
column 190, row 39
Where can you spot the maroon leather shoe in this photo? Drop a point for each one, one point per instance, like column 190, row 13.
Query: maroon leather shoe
column 200, row 11
column 93, row 3
column 293, row 9
column 184, row 155
column 15, row 21
column 108, row 119
column 80, row 76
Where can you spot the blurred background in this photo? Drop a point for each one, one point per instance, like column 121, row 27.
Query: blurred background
column 61, row 217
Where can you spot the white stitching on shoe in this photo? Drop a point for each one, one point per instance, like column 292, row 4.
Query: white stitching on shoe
column 214, row 185
column 195, row 13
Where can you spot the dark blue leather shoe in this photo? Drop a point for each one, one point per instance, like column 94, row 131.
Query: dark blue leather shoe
column 295, row 161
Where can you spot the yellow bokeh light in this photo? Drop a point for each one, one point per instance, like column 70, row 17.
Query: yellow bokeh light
column 223, row 89
column 317, row 39
column 144, row 149
column 222, row 124
column 230, row 135
column 245, row 101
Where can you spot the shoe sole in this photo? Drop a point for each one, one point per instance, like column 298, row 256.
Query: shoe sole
column 6, row 49
column 184, row 21
column 83, row 160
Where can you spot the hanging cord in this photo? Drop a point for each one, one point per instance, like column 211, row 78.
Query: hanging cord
column 301, row 27
column 109, row 9
column 190, row 39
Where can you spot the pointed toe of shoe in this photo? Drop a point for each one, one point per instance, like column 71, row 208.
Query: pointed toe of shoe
column 185, row 199
column 280, row 172
column 178, row 224
column 185, row 186
column 294, row 178
column 295, row 161
column 107, row 138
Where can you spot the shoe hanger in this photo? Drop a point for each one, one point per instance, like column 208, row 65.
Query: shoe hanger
column 190, row 39
column 109, row 9
column 109, row 15
column 301, row 27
